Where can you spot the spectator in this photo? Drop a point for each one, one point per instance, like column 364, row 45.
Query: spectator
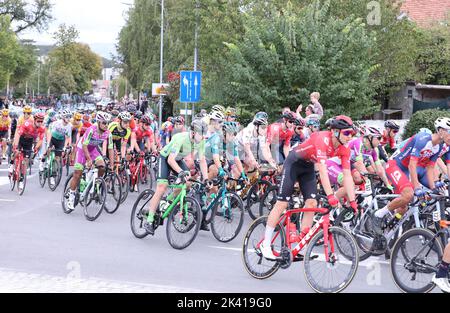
column 314, row 108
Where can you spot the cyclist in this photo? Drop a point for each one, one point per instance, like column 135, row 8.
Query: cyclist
column 144, row 137
column 252, row 141
column 166, row 129
column 27, row 134
column 59, row 136
column 5, row 132
column 299, row 136
column 279, row 137
column 77, row 124
column 27, row 115
column 121, row 133
column 300, row 167
column 231, row 114
column 401, row 169
column 178, row 125
column 388, row 140
column 441, row 279
column 86, row 124
column 95, row 141
column 171, row 159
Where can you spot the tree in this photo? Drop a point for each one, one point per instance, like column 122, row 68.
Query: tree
column 8, row 50
column 27, row 14
column 284, row 57
column 25, row 63
column 61, row 81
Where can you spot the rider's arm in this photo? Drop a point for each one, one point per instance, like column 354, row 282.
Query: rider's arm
column 123, row 149
column 324, row 179
column 171, row 160
column 267, row 155
column 430, row 175
column 382, row 173
column 442, row 167
column 413, row 172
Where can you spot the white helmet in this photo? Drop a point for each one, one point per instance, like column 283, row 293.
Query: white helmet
column 217, row 116
column 372, row 132
column 125, row 116
column 218, row 108
column 103, row 117
column 66, row 114
column 442, row 122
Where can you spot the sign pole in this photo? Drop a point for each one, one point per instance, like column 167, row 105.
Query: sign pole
column 161, row 63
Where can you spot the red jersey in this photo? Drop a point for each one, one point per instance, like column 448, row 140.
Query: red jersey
column 276, row 135
column 133, row 126
column 319, row 148
column 85, row 126
column 28, row 130
column 141, row 134
column 386, row 140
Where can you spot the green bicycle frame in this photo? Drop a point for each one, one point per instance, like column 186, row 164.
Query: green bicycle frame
column 179, row 199
column 51, row 159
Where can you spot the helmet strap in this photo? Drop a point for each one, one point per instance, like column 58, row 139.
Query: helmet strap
column 337, row 134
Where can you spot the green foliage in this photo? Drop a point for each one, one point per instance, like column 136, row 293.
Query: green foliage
column 26, row 61
column 285, row 57
column 27, row 14
column 8, row 50
column 62, row 81
column 423, row 119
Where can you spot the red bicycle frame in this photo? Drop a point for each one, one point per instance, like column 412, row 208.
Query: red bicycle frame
column 324, row 223
column 18, row 161
column 136, row 169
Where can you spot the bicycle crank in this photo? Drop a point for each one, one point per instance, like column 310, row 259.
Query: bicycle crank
column 286, row 258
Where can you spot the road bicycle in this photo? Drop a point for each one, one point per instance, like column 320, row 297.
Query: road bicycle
column 224, row 212
column 91, row 194
column 182, row 212
column 418, row 252
column 114, row 189
column 67, row 160
column 52, row 169
column 19, row 175
column 139, row 172
column 327, row 267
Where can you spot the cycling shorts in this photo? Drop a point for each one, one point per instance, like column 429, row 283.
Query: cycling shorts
column 164, row 169
column 398, row 176
column 59, row 146
column 80, row 162
column 300, row 171
column 4, row 134
column 278, row 154
column 26, row 145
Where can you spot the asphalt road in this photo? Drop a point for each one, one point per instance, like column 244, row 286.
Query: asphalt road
column 44, row 250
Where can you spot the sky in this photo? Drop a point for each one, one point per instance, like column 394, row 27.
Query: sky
column 98, row 21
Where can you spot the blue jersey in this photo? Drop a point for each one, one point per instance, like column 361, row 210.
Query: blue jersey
column 420, row 148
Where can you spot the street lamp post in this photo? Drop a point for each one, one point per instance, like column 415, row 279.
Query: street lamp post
column 162, row 62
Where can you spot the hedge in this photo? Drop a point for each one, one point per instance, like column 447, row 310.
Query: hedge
column 423, row 119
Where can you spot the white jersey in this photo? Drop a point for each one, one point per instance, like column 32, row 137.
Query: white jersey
column 246, row 136
column 60, row 131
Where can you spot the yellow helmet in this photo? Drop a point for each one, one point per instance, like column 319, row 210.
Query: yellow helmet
column 5, row 112
column 77, row 116
column 231, row 111
column 27, row 109
column 93, row 115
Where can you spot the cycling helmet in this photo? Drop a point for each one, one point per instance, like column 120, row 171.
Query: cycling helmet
column 299, row 122
column 261, row 118
column 166, row 125
column 312, row 122
column 87, row 117
column 125, row 117
column 27, row 109
column 218, row 108
column 5, row 112
column 342, row 122
column 217, row 116
column 103, row 117
column 13, row 115
column 66, row 114
column 231, row 127
column 131, row 109
column 372, row 132
column 392, row 125
column 328, row 123
column 138, row 115
column 289, row 116
column 231, row 111
column 39, row 117
column 115, row 113
column 199, row 127
column 78, row 116
column 442, row 122
column 146, row 120
column 425, row 130
column 180, row 120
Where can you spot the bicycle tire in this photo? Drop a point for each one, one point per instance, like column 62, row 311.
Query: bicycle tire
column 250, row 250
column 136, row 214
column 185, row 227
column 42, row 178
column 125, row 181
column 113, row 180
column 396, row 265
column 65, row 195
column 237, row 212
column 87, row 201
column 309, row 258
column 12, row 180
column 24, row 179
column 266, row 204
column 254, row 196
column 56, row 169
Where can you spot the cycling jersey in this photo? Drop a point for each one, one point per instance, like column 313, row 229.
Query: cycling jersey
column 118, row 135
column 246, row 137
column 141, row 134
column 388, row 141
column 360, row 153
column 445, row 153
column 4, row 124
column 22, row 120
column 29, row 131
column 84, row 127
column 93, row 139
column 60, row 131
column 420, row 148
column 277, row 136
column 182, row 145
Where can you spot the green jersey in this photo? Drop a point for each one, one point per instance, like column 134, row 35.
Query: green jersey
column 182, row 146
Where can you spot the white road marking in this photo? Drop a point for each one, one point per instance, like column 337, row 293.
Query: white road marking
column 7, row 200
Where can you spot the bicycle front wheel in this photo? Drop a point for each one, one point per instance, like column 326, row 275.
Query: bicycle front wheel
column 254, row 262
column 254, row 197
column 227, row 218
column 138, row 215
column 66, row 194
column 125, row 182
column 114, row 193
column 56, row 174
column 183, row 224
column 337, row 273
column 95, row 199
column 22, row 183
column 415, row 259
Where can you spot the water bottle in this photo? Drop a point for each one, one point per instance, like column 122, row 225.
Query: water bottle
column 83, row 185
column 293, row 233
column 394, row 220
column 163, row 206
column 89, row 176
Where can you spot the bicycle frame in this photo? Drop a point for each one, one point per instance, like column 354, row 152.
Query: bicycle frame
column 18, row 169
column 179, row 199
column 323, row 223
column 93, row 179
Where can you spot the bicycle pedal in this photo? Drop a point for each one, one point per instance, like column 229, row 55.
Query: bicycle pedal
column 298, row 258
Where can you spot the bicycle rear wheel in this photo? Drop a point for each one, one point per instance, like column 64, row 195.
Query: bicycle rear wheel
column 65, row 195
column 95, row 199
column 227, row 218
column 268, row 201
column 138, row 217
column 56, row 174
column 114, row 193
column 254, row 197
column 254, row 262
column 42, row 178
column 182, row 230
column 336, row 274
column 125, row 182
column 415, row 259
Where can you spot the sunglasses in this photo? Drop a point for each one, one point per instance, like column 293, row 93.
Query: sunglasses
column 348, row 133
column 235, row 117
column 395, row 131
column 39, row 122
column 299, row 128
column 103, row 123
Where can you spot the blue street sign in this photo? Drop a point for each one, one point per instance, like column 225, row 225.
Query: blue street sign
column 190, row 87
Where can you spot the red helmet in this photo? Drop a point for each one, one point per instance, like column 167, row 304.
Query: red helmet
column 341, row 122
column 39, row 116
